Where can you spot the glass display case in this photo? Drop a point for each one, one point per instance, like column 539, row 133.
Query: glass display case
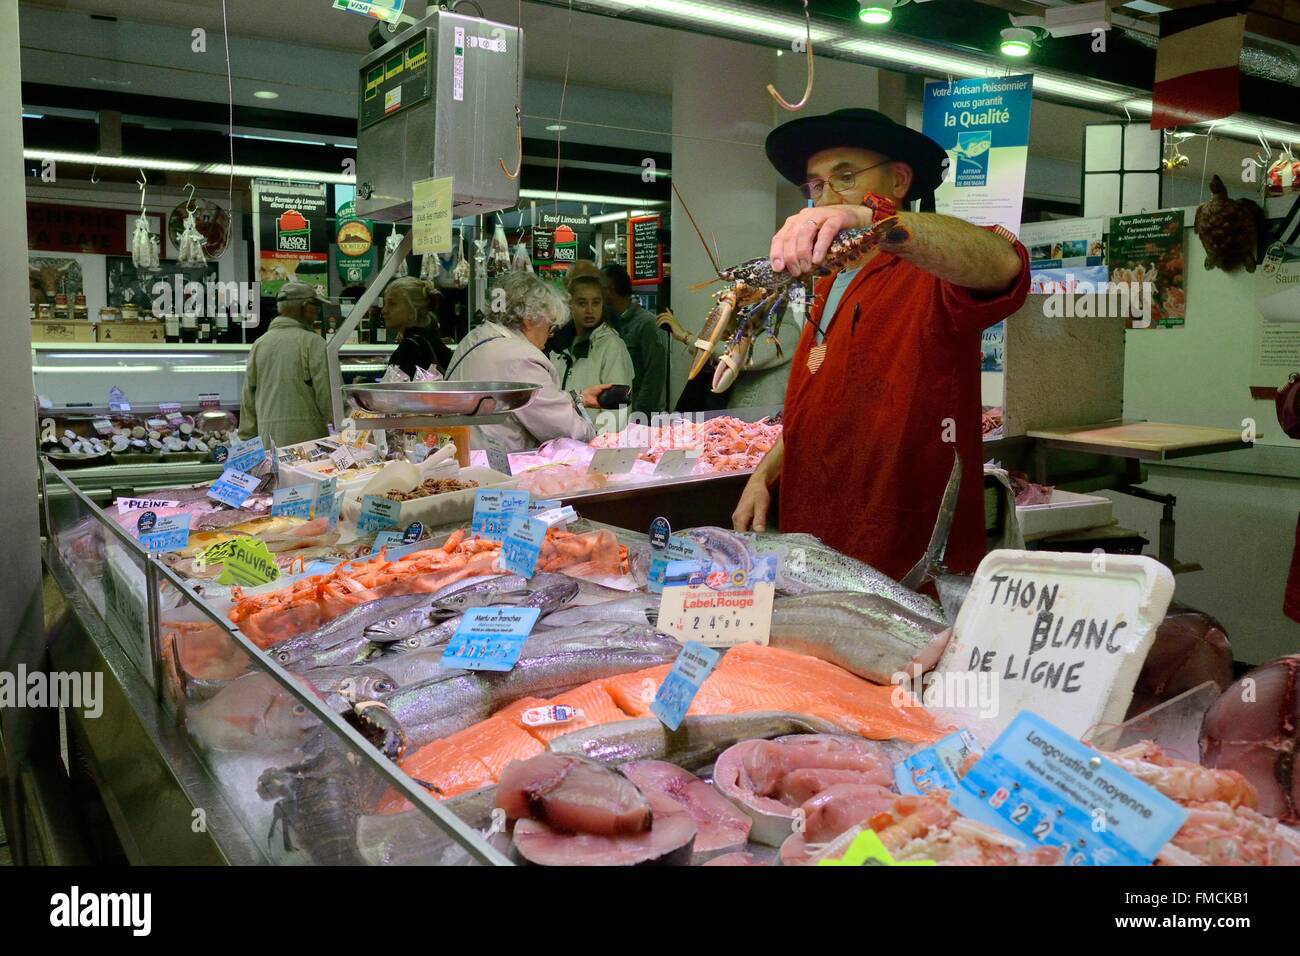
column 245, row 744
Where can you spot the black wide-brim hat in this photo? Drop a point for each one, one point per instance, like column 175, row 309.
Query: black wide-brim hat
column 790, row 144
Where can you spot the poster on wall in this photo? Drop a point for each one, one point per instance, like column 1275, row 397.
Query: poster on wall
column 1276, row 349
column 63, row 227
column 646, row 255
column 1064, row 253
column 983, row 124
column 1145, row 253
column 125, row 285
column 291, row 234
column 54, row 275
column 355, row 239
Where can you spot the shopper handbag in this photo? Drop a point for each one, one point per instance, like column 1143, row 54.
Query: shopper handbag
column 1288, row 406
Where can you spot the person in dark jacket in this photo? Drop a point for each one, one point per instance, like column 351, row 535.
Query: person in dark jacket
column 409, row 316
column 648, row 348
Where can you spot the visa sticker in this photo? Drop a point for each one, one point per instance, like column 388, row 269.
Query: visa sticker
column 522, row 544
column 490, row 638
column 693, row 664
column 294, row 501
column 1042, row 786
column 378, row 513
column 234, row 487
column 165, row 534
column 494, row 510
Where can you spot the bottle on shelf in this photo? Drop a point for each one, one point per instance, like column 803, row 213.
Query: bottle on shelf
column 378, row 331
column 189, row 328
column 204, row 330
column 171, row 327
column 221, row 326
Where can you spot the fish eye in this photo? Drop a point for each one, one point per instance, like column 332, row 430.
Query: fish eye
column 384, row 686
column 412, row 642
column 282, row 657
column 299, row 710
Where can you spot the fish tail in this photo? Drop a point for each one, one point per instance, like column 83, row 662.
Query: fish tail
column 930, row 565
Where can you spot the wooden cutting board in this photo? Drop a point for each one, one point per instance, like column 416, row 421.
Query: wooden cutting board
column 1154, row 437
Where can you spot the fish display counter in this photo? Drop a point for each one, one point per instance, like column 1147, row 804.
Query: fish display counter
column 460, row 700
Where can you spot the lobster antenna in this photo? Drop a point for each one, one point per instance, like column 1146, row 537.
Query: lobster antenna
column 707, row 251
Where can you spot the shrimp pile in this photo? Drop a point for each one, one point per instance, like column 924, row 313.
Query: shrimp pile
column 1222, row 828
column 725, row 443
column 926, row 828
column 310, row 602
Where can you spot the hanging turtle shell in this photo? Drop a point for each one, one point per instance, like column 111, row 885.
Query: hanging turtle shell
column 1230, row 230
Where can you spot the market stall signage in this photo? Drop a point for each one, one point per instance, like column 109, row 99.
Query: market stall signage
column 431, row 216
column 1145, row 256
column 171, row 533
column 720, row 608
column 248, row 563
column 614, row 461
column 233, row 488
column 386, row 539
column 673, row 698
column 1064, row 635
column 379, row 513
column 522, row 544
column 246, row 455
column 936, row 767
column 355, row 240
column 293, row 502
column 564, row 245
column 144, row 504
column 494, row 510
column 646, row 253
column 678, row 548
column 542, row 239
column 291, row 234
column 55, row 227
column 1040, row 784
column 209, row 400
column 490, row 638
column 327, row 500
column 413, row 533
column 677, row 462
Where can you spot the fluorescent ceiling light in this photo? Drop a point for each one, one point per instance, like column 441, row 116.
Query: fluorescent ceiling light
column 282, row 139
column 33, row 116
column 586, row 197
column 619, row 216
column 266, row 95
column 556, row 128
column 179, row 166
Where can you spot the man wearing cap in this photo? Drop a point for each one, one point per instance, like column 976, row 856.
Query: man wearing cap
column 286, row 382
column 885, row 381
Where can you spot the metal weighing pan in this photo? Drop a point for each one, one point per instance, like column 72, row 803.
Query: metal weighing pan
column 441, row 398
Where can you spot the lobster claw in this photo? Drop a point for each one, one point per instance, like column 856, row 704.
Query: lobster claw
column 730, row 365
column 714, row 328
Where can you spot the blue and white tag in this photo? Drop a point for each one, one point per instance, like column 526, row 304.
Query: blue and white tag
column 413, row 533
column 327, row 500
column 378, row 513
column 387, row 539
column 678, row 548
column 936, row 767
column 522, row 544
column 494, row 510
column 233, row 488
column 164, row 534
column 293, row 502
column 673, row 699
column 490, row 638
column 538, row 505
column 246, row 455
column 1040, row 785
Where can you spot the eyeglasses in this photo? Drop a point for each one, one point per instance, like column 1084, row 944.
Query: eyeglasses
column 839, row 182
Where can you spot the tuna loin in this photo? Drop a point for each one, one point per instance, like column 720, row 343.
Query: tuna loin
column 572, row 794
column 721, row 826
column 669, row 842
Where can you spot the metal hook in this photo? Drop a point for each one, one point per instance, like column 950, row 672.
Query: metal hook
column 143, row 183
column 1127, row 115
column 519, row 141
column 189, row 200
column 807, row 91
column 93, row 171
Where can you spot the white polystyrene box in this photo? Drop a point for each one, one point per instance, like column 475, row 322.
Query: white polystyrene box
column 1038, row 656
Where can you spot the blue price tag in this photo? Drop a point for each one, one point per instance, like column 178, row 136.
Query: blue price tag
column 522, row 544
column 386, row 539
column 378, row 512
column 233, row 487
column 293, row 502
column 678, row 548
column 490, row 638
column 247, row 455
column 327, row 500
column 693, row 665
column 1039, row 784
column 493, row 511
column 936, row 767
column 165, row 534
column 413, row 533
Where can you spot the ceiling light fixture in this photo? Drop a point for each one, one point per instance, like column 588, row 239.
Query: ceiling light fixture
column 181, row 166
column 876, row 12
column 556, row 128
column 266, row 94
column 1017, row 41
column 585, row 197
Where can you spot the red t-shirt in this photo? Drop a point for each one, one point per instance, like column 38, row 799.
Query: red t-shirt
column 869, row 436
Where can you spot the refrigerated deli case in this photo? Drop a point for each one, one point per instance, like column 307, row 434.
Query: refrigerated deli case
column 169, row 799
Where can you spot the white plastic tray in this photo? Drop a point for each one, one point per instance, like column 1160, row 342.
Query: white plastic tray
column 1068, row 511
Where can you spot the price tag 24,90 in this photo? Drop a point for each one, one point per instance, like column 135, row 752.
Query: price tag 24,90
column 378, row 513
column 494, row 510
column 490, row 638
column 164, row 534
column 723, row 609
column 522, row 544
column 234, row 487
column 293, row 502
column 693, row 665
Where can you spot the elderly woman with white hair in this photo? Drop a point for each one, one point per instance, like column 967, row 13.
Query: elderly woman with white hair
column 509, row 348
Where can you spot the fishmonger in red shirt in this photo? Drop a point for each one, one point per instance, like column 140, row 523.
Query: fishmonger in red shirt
column 886, row 380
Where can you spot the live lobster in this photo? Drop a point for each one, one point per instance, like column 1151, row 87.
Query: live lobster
column 756, row 296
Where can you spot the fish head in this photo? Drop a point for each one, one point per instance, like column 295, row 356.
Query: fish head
column 395, row 628
column 288, row 720
column 367, row 684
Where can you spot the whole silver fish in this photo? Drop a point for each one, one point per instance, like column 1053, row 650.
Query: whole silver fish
column 866, row 634
column 436, row 636
column 342, row 686
column 695, row 744
column 808, row 566
column 551, row 662
column 634, row 609
column 348, row 626
column 506, row 589
column 546, row 591
column 413, row 667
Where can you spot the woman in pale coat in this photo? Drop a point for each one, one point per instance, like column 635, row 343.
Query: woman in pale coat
column 508, row 348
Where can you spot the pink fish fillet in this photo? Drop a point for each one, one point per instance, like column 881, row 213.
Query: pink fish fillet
column 572, row 794
column 668, row 842
column 720, row 824
column 736, row 859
